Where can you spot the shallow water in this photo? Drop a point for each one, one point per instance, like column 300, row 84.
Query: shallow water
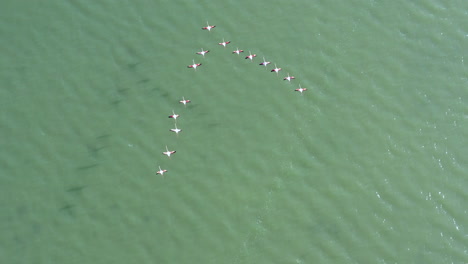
column 366, row 166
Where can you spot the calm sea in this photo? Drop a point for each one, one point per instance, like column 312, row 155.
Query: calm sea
column 369, row 165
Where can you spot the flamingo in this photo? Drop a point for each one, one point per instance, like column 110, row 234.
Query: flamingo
column 183, row 101
column 160, row 171
column 169, row 153
column 174, row 115
column 194, row 65
column 175, row 130
column 276, row 69
column 208, row 27
column 224, row 43
column 203, row 52
column 300, row 89
column 238, row 51
column 289, row 78
column 251, row 56
column 264, row 63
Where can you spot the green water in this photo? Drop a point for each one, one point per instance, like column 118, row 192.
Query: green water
column 368, row 165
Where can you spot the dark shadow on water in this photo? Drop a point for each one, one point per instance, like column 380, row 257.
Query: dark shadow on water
column 96, row 145
column 115, row 102
column 157, row 90
column 105, row 136
column 87, row 167
column 67, row 209
column 76, row 189
column 123, row 91
column 143, row 81
column 161, row 92
column 133, row 66
column 94, row 150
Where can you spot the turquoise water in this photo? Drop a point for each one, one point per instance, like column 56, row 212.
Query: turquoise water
column 368, row 165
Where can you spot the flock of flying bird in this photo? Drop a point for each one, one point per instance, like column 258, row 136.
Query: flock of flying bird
column 196, row 65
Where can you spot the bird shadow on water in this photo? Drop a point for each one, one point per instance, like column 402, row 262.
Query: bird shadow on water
column 96, row 145
column 87, row 167
column 104, row 136
column 94, row 149
column 68, row 209
column 76, row 189
column 160, row 92
column 118, row 95
column 124, row 90
column 133, row 66
column 115, row 102
column 143, row 81
column 73, row 193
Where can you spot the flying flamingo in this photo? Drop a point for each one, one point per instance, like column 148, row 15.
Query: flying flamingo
column 160, row 171
column 238, row 51
column 300, row 89
column 185, row 102
column 289, row 78
column 194, row 65
column 176, row 130
column 168, row 153
column 203, row 52
column 174, row 115
column 276, row 69
column 224, row 43
column 208, row 27
column 264, row 63
column 251, row 56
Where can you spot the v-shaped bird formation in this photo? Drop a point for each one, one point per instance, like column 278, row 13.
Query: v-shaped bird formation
column 195, row 65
